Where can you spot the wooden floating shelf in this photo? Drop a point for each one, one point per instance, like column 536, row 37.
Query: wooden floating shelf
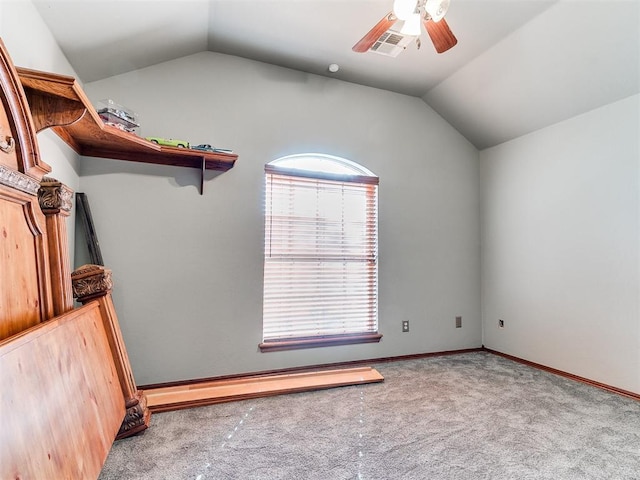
column 164, row 399
column 58, row 102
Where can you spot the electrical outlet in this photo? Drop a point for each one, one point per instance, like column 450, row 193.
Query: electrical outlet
column 458, row 322
column 405, row 325
column 501, row 323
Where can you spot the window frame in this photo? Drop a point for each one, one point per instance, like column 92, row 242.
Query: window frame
column 360, row 176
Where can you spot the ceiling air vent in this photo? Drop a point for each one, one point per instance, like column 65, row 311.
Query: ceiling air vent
column 391, row 43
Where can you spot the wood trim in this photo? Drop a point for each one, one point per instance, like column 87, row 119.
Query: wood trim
column 571, row 376
column 256, row 378
column 55, row 202
column 117, row 346
column 60, row 271
column 17, row 108
column 58, row 102
column 49, row 111
column 313, row 342
column 219, row 391
column 309, row 368
column 138, row 416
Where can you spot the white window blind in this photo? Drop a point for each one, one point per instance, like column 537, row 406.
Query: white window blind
column 320, row 268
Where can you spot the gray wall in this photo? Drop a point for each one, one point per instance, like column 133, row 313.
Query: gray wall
column 31, row 45
column 560, row 217
column 561, row 245
column 188, row 268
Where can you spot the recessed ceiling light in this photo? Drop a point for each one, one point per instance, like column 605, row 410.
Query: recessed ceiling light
column 334, row 67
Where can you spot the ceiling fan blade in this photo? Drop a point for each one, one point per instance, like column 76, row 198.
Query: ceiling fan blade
column 372, row 35
column 440, row 34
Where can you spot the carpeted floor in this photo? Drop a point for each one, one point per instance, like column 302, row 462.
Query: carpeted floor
column 467, row 416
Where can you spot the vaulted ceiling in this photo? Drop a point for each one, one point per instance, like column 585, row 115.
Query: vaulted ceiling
column 519, row 65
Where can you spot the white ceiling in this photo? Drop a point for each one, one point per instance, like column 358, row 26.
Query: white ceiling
column 519, row 65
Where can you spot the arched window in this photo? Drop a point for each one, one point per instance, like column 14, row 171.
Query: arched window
column 321, row 253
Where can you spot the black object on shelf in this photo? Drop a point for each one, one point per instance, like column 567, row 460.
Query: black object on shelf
column 89, row 231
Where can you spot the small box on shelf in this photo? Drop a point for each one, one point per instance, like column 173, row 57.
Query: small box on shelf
column 117, row 115
column 205, row 147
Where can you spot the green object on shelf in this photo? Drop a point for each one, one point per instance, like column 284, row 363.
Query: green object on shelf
column 169, row 142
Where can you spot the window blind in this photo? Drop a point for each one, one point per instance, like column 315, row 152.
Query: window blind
column 320, row 269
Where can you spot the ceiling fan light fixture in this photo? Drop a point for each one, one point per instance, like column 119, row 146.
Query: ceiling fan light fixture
column 411, row 25
column 437, row 9
column 404, row 9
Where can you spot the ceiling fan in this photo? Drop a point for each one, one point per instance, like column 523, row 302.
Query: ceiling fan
column 386, row 38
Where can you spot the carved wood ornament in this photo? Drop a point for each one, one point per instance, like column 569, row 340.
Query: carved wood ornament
column 19, row 181
column 91, row 283
column 55, row 196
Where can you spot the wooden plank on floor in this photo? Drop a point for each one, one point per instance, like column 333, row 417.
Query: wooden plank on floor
column 207, row 393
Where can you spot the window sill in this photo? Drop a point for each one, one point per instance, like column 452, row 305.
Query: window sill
column 313, row 342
